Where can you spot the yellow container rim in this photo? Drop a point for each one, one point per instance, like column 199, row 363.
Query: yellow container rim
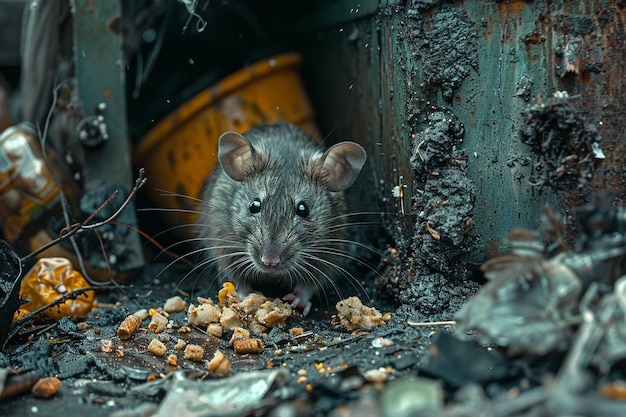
column 207, row 97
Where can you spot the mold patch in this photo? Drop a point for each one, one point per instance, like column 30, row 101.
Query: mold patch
column 447, row 44
column 436, row 280
column 565, row 148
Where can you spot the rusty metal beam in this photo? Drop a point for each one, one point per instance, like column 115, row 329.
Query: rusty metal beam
column 100, row 76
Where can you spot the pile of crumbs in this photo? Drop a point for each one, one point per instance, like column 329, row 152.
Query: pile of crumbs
column 255, row 312
column 232, row 313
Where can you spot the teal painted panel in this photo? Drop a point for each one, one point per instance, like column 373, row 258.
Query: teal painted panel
column 378, row 78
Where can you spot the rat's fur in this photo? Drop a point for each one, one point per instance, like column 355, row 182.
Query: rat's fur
column 276, row 168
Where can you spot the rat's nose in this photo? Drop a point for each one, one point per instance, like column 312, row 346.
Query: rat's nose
column 270, row 258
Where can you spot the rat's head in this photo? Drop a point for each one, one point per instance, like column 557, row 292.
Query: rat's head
column 288, row 202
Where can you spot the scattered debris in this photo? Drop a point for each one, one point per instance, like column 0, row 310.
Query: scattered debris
column 174, row 304
column 219, row 363
column 46, row 387
column 158, row 323
column 531, row 303
column 236, row 395
column 243, row 346
column 566, row 149
column 128, row 326
column 46, row 282
column 194, row 353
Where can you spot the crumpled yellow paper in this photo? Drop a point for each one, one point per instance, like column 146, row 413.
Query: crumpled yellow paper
column 49, row 279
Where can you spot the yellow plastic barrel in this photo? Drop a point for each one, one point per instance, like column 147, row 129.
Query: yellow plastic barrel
column 181, row 150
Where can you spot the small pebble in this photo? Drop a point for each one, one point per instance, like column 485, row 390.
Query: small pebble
column 46, row 387
column 376, row 375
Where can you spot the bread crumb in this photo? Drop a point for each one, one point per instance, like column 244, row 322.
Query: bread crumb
column 239, row 333
column 219, row 363
column 215, row 329
column 157, row 348
column 180, row 344
column 243, row 346
column 158, row 324
column 194, row 353
column 352, row 314
column 174, row 304
column 230, row 319
column 203, row 314
column 296, row 331
column 272, row 313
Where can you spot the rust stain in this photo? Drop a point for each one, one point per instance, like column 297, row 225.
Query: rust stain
column 530, row 40
column 600, row 84
column 513, row 7
column 534, row 38
column 585, row 76
column 91, row 6
column 115, row 25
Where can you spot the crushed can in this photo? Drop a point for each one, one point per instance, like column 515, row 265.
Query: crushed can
column 31, row 211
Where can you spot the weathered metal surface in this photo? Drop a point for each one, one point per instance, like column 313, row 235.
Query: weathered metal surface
column 100, row 78
column 100, row 73
column 392, row 70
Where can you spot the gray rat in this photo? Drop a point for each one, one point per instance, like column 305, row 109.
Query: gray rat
column 273, row 211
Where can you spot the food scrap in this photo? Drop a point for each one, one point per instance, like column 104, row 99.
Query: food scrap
column 128, row 326
column 194, row 353
column 158, row 324
column 352, row 314
column 174, row 304
column 219, row 363
column 243, row 346
column 157, row 348
column 255, row 312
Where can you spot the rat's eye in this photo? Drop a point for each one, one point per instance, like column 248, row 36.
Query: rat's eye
column 302, row 209
column 255, row 206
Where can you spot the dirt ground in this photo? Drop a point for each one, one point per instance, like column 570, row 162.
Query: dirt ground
column 312, row 368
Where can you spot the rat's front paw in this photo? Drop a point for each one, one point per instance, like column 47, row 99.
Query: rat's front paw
column 300, row 298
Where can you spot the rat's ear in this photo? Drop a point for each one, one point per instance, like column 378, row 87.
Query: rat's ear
column 235, row 155
column 341, row 165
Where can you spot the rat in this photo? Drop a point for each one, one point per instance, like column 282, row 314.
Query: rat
column 274, row 213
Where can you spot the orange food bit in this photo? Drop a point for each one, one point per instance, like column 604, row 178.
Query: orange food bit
column 228, row 288
column 615, row 390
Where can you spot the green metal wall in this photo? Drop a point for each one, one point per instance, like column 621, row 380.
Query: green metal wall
column 373, row 79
